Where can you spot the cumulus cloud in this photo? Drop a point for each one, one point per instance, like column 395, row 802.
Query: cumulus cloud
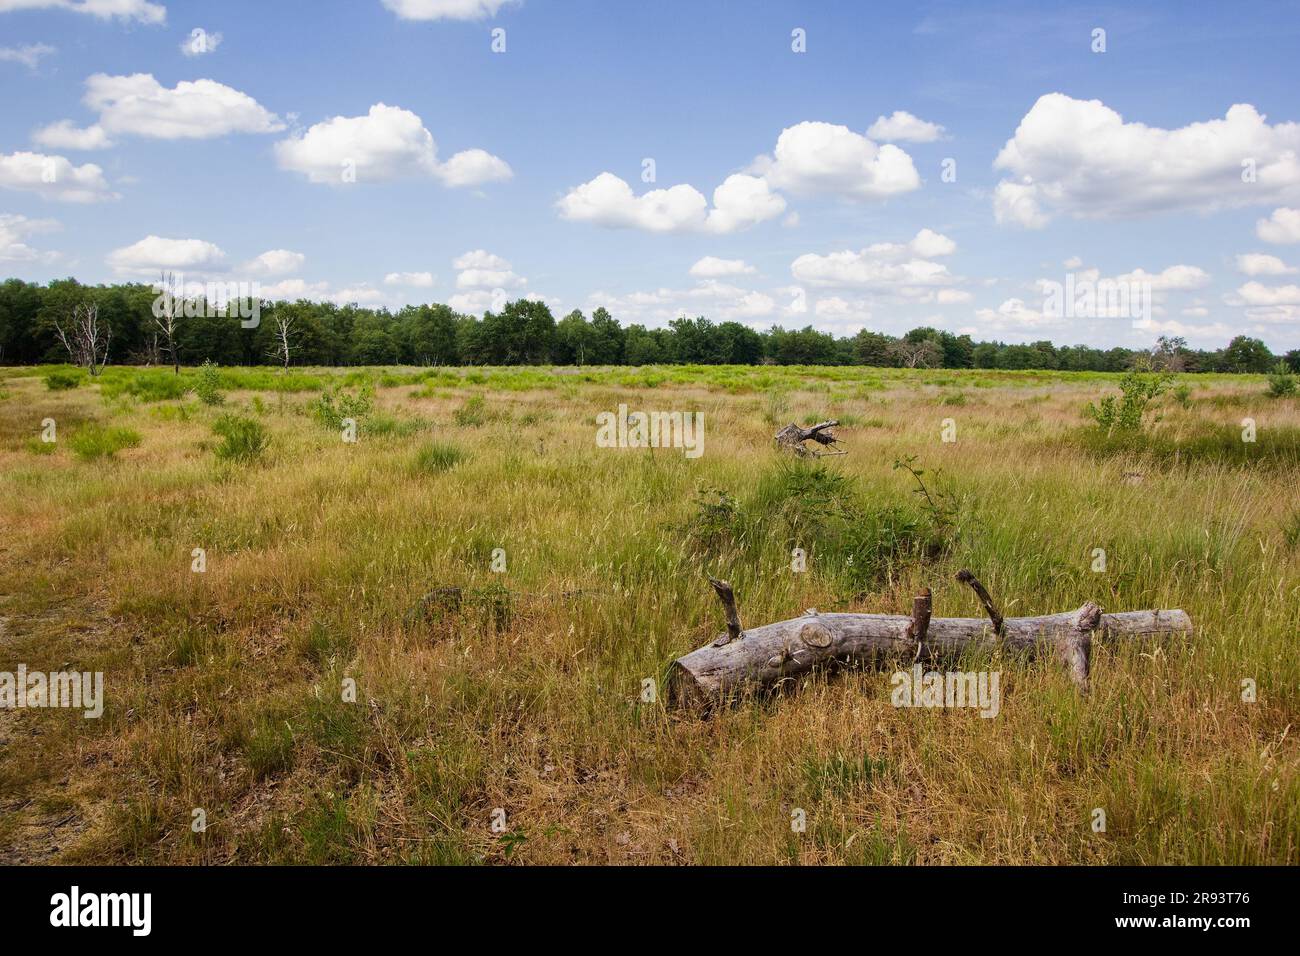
column 1256, row 293
column 28, row 55
column 275, row 262
column 1280, row 228
column 66, row 135
column 711, row 267
column 54, row 177
column 138, row 105
column 607, row 200
column 15, row 229
column 1080, row 158
column 388, row 143
column 889, row 266
column 154, row 254
column 446, row 9
column 901, row 126
column 139, row 10
column 1173, row 279
column 419, row 280
column 812, row 158
column 1261, row 264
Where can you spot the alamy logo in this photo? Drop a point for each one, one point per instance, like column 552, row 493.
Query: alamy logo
column 651, row 430
column 103, row 909
column 209, row 300
column 975, row 689
column 1089, row 298
column 71, row 690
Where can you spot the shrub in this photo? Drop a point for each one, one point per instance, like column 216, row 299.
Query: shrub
column 1281, row 382
column 60, row 380
column 335, row 404
column 101, row 441
column 242, row 439
column 207, row 385
column 1126, row 414
column 437, row 457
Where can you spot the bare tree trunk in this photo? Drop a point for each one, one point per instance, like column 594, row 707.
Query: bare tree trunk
column 763, row 656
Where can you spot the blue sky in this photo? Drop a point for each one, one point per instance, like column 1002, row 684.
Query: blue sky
column 491, row 174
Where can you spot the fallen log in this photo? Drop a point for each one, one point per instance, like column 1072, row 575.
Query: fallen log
column 792, row 438
column 763, row 656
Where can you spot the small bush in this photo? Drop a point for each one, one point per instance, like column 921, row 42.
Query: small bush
column 60, row 380
column 437, row 457
column 207, row 385
column 336, row 404
column 242, row 439
column 1281, row 382
column 101, row 441
column 1126, row 414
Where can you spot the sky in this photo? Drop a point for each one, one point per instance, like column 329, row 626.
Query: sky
column 842, row 165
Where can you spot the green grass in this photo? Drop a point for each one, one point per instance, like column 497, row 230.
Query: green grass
column 95, row 441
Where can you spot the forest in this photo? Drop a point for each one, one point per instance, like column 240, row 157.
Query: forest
column 524, row 332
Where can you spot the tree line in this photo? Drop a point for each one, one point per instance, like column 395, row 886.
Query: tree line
column 34, row 322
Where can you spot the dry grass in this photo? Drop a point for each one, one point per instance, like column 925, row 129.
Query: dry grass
column 224, row 688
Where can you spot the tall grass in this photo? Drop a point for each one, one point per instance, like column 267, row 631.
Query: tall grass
column 523, row 689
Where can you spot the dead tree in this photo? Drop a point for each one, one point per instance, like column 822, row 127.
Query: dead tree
column 792, row 438
column 282, row 336
column 741, row 661
column 85, row 337
column 164, row 317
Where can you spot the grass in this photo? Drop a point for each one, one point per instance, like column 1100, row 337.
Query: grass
column 102, row 441
column 330, row 565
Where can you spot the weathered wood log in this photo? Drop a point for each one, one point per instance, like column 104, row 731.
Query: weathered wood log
column 763, row 656
column 792, row 438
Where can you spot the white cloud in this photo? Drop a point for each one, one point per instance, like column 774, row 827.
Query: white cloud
column 141, row 106
column 953, row 296
column 607, row 200
column 54, row 177
column 140, row 10
column 29, row 55
column 473, row 167
column 275, row 262
column 1073, row 262
column 479, row 259
column 1261, row 264
column 891, row 266
column 1256, row 293
column 482, row 283
column 446, row 9
column 388, row 143
column 419, row 280
column 711, row 267
column 813, row 158
column 1079, row 158
column 65, row 135
column 715, row 300
column 902, row 126
column 201, row 42
column 1173, row 279
column 154, row 254
column 1196, row 311
column 1281, row 227
column 1014, row 315
column 14, row 229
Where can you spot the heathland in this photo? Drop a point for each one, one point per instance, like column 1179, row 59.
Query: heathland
column 288, row 676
